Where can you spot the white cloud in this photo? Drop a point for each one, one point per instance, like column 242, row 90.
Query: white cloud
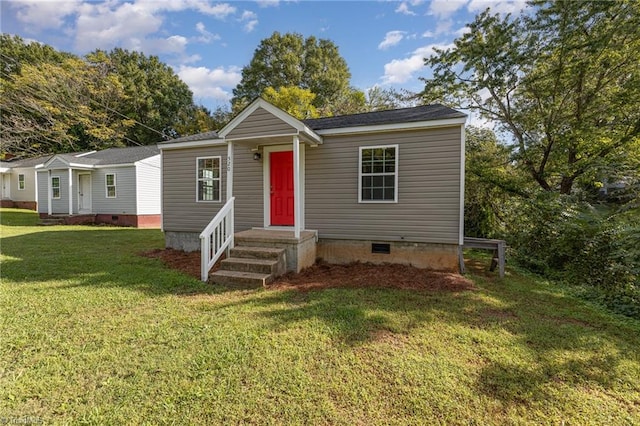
column 444, row 8
column 391, row 39
column 99, row 25
column 402, row 70
column 268, row 3
column 44, row 14
column 250, row 20
column 442, row 27
column 512, row 6
column 462, row 31
column 404, row 9
column 205, row 36
column 210, row 83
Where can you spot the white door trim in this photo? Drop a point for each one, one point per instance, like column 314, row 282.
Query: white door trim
column 80, row 199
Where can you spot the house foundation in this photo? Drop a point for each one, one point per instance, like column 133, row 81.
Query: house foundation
column 441, row 257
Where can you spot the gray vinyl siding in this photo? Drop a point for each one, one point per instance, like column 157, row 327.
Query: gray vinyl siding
column 125, row 200
column 43, row 189
column 29, row 192
column 428, row 208
column 60, row 205
column 180, row 211
column 260, row 123
column 248, row 185
column 148, row 185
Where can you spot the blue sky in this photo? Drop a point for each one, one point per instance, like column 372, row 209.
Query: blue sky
column 208, row 42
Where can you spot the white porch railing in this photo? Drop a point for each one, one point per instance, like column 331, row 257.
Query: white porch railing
column 216, row 238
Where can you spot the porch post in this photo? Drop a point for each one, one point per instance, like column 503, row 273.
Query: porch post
column 50, row 193
column 70, row 191
column 296, row 188
column 229, row 170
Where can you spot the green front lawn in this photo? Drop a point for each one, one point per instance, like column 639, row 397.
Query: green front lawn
column 92, row 333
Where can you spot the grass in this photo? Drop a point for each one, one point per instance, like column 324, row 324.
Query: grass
column 91, row 333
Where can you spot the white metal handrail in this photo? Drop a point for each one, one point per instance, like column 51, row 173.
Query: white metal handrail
column 216, row 238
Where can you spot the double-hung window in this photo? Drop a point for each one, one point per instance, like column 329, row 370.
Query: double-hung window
column 208, row 179
column 55, row 187
column 110, row 182
column 20, row 182
column 378, row 174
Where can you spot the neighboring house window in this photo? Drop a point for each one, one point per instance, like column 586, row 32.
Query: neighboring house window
column 110, row 180
column 20, row 182
column 378, row 174
column 55, row 186
column 208, row 178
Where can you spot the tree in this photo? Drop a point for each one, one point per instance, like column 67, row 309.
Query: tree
column 285, row 60
column 15, row 52
column 155, row 97
column 563, row 83
column 50, row 107
column 294, row 100
column 379, row 99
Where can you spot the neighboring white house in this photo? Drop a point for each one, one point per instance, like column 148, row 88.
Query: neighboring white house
column 18, row 185
column 119, row 186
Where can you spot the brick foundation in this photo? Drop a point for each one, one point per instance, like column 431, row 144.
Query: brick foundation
column 142, row 221
column 27, row 205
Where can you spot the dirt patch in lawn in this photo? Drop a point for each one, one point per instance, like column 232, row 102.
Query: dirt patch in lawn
column 186, row 262
column 355, row 275
column 324, row 275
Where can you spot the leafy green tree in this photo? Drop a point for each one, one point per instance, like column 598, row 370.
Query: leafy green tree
column 155, row 97
column 294, row 100
column 380, row 99
column 199, row 120
column 285, row 60
column 15, row 52
column 562, row 82
column 50, row 107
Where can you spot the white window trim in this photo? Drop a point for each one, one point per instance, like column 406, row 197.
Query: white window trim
column 396, row 173
column 53, row 187
column 106, row 186
column 219, row 179
column 23, row 182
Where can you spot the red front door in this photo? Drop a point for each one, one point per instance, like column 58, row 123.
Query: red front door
column 281, row 164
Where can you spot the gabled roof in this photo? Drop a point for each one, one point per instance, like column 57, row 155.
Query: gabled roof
column 192, row 138
column 299, row 126
column 424, row 116
column 121, row 155
column 107, row 157
column 393, row 116
column 24, row 162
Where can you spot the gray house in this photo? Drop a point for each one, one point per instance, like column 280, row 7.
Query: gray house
column 18, row 184
column 119, row 186
column 384, row 186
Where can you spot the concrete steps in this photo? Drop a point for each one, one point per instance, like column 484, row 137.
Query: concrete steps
column 250, row 267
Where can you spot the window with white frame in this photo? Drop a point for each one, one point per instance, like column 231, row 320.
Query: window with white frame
column 55, row 187
column 208, row 178
column 378, row 174
column 110, row 182
column 20, row 182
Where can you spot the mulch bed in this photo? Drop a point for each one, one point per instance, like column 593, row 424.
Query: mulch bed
column 324, row 275
column 187, row 262
column 361, row 275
